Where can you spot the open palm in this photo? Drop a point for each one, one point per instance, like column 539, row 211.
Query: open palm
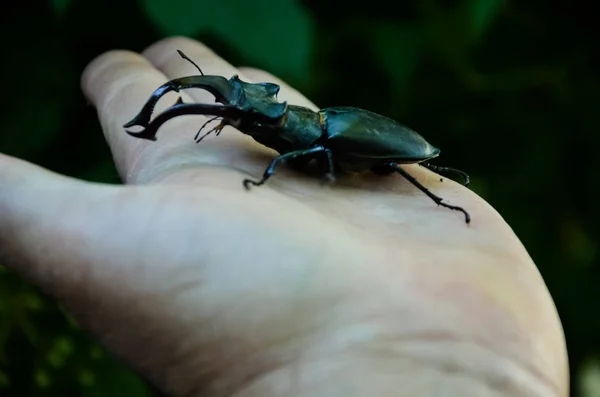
column 364, row 288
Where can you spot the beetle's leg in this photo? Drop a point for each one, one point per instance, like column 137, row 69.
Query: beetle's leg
column 329, row 176
column 284, row 157
column 201, row 128
column 438, row 200
column 217, row 130
column 446, row 171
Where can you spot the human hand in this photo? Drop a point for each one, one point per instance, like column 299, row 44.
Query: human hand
column 363, row 288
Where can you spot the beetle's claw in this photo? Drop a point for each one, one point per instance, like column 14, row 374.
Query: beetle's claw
column 248, row 182
column 467, row 216
column 328, row 179
column 199, row 139
column 456, row 208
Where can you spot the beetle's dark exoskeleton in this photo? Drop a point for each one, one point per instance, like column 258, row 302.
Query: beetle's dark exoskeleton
column 346, row 138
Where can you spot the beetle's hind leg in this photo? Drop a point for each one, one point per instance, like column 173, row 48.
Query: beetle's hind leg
column 438, row 200
column 446, row 171
column 287, row 157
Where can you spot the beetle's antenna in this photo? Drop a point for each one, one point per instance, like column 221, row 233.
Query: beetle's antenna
column 438, row 200
column 188, row 59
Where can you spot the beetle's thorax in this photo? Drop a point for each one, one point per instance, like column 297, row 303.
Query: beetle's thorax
column 299, row 128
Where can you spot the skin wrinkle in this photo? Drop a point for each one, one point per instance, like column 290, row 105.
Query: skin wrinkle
column 450, row 367
column 243, row 368
column 513, row 358
column 438, row 337
column 72, row 226
column 169, row 160
column 106, row 336
column 402, row 343
column 41, row 248
column 223, row 372
column 234, row 374
column 142, row 174
column 16, row 222
column 511, row 353
column 500, row 386
column 254, row 376
column 234, row 361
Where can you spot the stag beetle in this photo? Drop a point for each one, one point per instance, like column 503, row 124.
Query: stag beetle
column 344, row 138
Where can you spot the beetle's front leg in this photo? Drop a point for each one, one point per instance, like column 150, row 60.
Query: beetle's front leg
column 286, row 157
column 199, row 138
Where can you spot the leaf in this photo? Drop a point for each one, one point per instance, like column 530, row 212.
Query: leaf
column 276, row 35
column 397, row 49
column 86, row 377
column 42, row 379
column 32, row 301
column 40, row 96
column 481, row 14
column 117, row 380
column 4, row 380
column 104, row 172
column 60, row 6
column 580, row 247
column 589, row 377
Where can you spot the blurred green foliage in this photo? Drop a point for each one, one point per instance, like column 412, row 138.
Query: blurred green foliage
column 508, row 89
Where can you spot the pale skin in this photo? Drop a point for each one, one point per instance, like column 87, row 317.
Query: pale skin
column 361, row 288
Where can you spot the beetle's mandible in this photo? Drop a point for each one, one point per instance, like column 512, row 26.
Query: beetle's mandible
column 343, row 138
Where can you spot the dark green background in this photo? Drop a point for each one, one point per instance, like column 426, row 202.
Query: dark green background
column 509, row 90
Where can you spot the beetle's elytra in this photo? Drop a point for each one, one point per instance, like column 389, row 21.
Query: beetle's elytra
column 344, row 138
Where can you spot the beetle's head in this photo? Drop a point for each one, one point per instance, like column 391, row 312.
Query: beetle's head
column 259, row 98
